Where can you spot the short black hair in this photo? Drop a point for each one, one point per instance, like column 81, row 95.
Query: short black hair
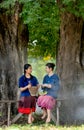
column 50, row 65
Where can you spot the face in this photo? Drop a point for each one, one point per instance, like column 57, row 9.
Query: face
column 29, row 70
column 48, row 70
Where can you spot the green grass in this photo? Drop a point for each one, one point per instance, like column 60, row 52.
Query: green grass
column 42, row 127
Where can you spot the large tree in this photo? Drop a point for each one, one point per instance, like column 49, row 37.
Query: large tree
column 70, row 61
column 13, row 51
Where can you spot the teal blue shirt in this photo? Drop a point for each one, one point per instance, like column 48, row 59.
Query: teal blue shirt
column 54, row 81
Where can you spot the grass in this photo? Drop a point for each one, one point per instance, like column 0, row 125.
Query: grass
column 38, row 125
column 41, row 127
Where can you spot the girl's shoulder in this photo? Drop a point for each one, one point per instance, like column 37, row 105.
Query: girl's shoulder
column 46, row 76
column 33, row 77
column 22, row 77
column 55, row 76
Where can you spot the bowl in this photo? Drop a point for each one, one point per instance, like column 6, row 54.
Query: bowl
column 42, row 93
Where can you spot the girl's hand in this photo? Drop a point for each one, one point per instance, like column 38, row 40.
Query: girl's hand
column 38, row 85
column 29, row 86
column 46, row 85
column 26, row 87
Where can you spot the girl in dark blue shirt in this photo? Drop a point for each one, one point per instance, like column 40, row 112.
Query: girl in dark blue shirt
column 50, row 86
column 27, row 103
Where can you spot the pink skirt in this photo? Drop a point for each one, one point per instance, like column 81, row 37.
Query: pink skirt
column 46, row 102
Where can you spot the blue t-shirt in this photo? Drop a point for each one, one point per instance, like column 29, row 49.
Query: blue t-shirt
column 23, row 81
column 54, row 81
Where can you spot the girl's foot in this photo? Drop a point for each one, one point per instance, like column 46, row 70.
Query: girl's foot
column 32, row 119
column 48, row 120
column 43, row 117
column 29, row 122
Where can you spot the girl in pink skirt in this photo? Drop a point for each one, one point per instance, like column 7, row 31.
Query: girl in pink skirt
column 50, row 86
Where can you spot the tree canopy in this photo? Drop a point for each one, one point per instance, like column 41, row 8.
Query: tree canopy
column 43, row 20
column 43, row 24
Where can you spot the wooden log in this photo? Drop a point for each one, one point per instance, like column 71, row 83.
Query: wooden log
column 55, row 119
column 16, row 117
column 57, row 111
column 9, row 101
column 9, row 107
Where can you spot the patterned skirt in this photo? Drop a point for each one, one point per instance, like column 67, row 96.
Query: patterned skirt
column 46, row 102
column 27, row 105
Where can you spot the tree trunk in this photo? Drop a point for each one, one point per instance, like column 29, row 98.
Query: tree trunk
column 13, row 54
column 70, row 67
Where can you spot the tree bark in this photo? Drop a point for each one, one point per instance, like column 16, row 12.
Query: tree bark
column 13, row 54
column 70, row 68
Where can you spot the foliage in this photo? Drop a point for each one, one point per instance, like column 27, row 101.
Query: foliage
column 43, row 24
column 7, row 3
column 43, row 20
column 75, row 7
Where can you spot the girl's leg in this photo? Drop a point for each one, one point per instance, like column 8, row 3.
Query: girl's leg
column 44, row 113
column 48, row 116
column 30, row 118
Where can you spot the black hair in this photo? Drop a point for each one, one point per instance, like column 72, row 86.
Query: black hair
column 50, row 65
column 26, row 66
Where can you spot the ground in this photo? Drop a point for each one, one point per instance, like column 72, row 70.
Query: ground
column 38, row 124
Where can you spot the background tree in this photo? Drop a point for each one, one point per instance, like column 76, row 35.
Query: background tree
column 70, row 62
column 13, row 51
